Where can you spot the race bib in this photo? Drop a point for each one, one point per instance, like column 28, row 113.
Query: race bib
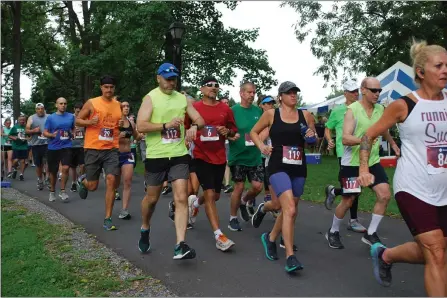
column 106, row 134
column 131, row 158
column 79, row 134
column 248, row 140
column 8, row 142
column 171, row 135
column 292, row 155
column 65, row 135
column 41, row 137
column 21, row 135
column 351, row 185
column 209, row 133
column 436, row 160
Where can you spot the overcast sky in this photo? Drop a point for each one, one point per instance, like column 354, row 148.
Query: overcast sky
column 292, row 61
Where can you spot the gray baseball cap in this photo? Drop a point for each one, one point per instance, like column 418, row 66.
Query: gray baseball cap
column 287, row 86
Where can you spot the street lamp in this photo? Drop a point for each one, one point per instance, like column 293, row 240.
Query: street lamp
column 174, row 49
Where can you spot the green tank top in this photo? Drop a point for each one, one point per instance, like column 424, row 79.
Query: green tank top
column 170, row 143
column 362, row 123
column 5, row 140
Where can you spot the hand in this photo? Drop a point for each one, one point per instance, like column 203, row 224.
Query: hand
column 330, row 144
column 310, row 133
column 266, row 150
column 235, row 138
column 396, row 149
column 222, row 130
column 36, row 130
column 191, row 134
column 176, row 122
column 94, row 120
column 121, row 123
column 122, row 134
column 365, row 179
column 54, row 134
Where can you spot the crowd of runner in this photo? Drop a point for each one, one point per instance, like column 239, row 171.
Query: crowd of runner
column 188, row 144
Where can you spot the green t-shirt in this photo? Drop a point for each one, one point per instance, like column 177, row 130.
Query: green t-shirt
column 21, row 143
column 335, row 121
column 362, row 124
column 5, row 140
column 243, row 152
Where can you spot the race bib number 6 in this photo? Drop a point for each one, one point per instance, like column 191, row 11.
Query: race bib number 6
column 106, row 134
column 292, row 155
column 209, row 133
column 171, row 135
column 436, row 160
column 351, row 185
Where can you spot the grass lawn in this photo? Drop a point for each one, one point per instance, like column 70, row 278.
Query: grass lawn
column 326, row 173
column 32, row 264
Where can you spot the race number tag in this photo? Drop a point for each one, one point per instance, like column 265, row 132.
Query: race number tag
column 65, row 135
column 79, row 134
column 351, row 185
column 248, row 140
column 41, row 137
column 436, row 160
column 292, row 155
column 131, row 158
column 209, row 133
column 21, row 135
column 106, row 134
column 171, row 135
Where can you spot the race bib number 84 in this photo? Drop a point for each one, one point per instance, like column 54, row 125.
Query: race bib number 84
column 436, row 160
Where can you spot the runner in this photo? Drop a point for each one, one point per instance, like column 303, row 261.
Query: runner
column 245, row 159
column 6, row 147
column 359, row 117
column 335, row 122
column 35, row 127
column 77, row 151
column 127, row 158
column 133, row 141
column 101, row 117
column 168, row 156
column 19, row 147
column 59, row 129
column 420, row 186
column 227, row 188
column 209, row 156
column 289, row 130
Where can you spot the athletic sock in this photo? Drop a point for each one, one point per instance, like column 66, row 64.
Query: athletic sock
column 375, row 221
column 217, row 233
column 336, row 224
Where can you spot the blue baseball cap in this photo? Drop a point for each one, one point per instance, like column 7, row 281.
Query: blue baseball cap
column 267, row 99
column 168, row 70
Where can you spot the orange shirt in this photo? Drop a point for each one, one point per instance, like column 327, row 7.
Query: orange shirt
column 105, row 134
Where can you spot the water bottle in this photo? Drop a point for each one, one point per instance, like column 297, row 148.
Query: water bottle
column 309, row 140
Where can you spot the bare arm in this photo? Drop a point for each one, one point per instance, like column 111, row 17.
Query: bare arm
column 263, row 123
column 28, row 129
column 48, row 134
column 327, row 134
column 194, row 115
column 144, row 115
column 264, row 134
column 82, row 119
column 348, row 130
column 310, row 121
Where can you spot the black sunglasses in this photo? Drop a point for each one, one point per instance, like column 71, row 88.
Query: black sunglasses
column 216, row 85
column 374, row 90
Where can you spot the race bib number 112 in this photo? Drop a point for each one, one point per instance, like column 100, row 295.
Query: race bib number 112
column 171, row 135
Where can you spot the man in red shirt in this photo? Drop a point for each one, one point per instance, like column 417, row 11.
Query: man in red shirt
column 209, row 156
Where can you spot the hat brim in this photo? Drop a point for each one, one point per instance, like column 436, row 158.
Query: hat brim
column 293, row 88
column 267, row 101
column 352, row 89
column 169, row 75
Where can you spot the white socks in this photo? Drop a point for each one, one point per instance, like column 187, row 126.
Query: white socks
column 217, row 233
column 336, row 224
column 232, row 217
column 375, row 220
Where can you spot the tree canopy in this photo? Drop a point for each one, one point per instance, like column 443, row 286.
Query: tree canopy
column 367, row 36
column 67, row 46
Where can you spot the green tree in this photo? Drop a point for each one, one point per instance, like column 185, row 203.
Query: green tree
column 368, row 36
column 335, row 92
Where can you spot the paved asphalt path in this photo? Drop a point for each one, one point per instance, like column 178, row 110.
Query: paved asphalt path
column 245, row 271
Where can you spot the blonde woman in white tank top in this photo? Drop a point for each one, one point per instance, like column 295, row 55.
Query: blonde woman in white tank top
column 420, row 181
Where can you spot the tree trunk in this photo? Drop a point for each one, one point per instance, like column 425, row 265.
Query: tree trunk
column 17, row 57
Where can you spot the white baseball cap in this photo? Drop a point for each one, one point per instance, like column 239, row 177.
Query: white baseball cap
column 39, row 105
column 350, row 85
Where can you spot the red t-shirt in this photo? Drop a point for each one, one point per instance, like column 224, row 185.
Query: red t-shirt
column 209, row 145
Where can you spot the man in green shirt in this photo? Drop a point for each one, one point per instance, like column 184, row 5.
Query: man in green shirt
column 19, row 146
column 245, row 158
column 358, row 118
column 335, row 122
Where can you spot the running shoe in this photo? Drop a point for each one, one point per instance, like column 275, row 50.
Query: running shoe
column 228, row 188
column 282, row 245
column 40, row 185
column 108, row 225
column 250, row 207
column 257, row 218
column 183, row 252
column 234, row 225
column 82, row 190
column 382, row 270
column 370, row 239
column 330, row 198
column 244, row 213
column 333, row 240
column 117, row 195
column 166, row 190
column 52, row 197
column 269, row 247
column 124, row 214
column 21, row 177
column 63, row 195
column 223, row 243
column 193, row 211
column 73, row 187
column 292, row 264
column 356, row 226
column 59, row 176
column 171, row 212
column 144, row 244
column 14, row 174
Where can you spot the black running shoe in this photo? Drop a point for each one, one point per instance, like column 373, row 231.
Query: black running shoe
column 269, row 247
column 73, row 188
column 293, row 264
column 182, row 252
column 244, row 213
column 144, row 244
column 370, row 239
column 282, row 245
column 21, row 177
column 258, row 216
column 334, row 240
column 171, row 212
column 382, row 270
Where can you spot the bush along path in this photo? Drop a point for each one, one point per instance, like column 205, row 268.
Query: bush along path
column 44, row 254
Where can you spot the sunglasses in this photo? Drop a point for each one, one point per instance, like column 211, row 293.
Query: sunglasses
column 169, row 70
column 374, row 90
column 211, row 85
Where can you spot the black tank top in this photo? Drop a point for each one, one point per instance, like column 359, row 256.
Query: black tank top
column 287, row 142
column 128, row 130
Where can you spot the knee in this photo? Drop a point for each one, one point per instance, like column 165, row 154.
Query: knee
column 127, row 182
column 216, row 197
column 238, row 187
column 110, row 180
column 289, row 209
column 65, row 169
column 92, row 185
column 436, row 252
column 384, row 197
column 257, row 187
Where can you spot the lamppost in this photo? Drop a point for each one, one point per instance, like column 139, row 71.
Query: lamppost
column 173, row 50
